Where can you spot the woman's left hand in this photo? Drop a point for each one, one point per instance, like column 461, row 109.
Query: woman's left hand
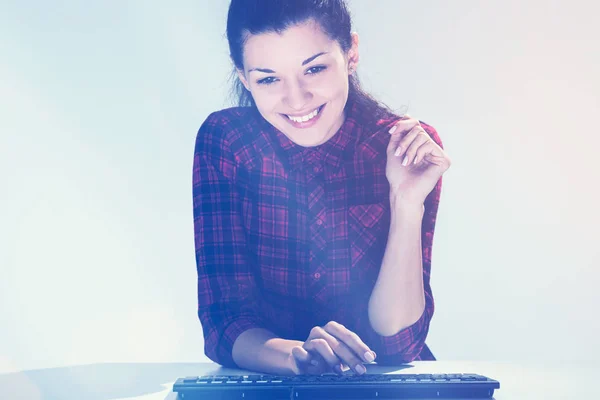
column 415, row 162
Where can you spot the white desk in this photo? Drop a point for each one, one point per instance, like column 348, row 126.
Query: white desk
column 148, row 381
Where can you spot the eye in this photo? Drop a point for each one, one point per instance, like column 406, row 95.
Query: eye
column 317, row 69
column 266, row 81
column 271, row 79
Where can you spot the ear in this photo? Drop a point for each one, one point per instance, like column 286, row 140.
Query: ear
column 243, row 79
column 353, row 56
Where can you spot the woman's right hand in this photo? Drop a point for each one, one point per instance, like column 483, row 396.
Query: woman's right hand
column 332, row 347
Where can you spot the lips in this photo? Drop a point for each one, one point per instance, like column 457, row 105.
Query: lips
column 308, row 113
column 308, row 123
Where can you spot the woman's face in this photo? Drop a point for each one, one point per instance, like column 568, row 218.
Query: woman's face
column 300, row 74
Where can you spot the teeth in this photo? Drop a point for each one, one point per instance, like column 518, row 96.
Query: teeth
column 305, row 118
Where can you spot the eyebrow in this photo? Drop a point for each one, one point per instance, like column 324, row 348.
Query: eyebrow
column 270, row 71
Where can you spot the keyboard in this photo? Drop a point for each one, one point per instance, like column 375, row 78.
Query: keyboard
column 331, row 386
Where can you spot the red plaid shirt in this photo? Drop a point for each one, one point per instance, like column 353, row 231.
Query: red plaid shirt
column 288, row 238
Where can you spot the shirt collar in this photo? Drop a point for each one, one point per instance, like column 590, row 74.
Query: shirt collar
column 332, row 152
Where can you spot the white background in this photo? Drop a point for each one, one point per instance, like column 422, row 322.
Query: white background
column 100, row 103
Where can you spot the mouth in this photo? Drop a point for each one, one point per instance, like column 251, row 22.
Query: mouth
column 306, row 121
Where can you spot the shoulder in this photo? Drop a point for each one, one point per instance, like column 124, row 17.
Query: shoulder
column 224, row 125
column 225, row 129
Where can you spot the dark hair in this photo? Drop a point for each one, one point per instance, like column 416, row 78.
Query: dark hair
column 265, row 16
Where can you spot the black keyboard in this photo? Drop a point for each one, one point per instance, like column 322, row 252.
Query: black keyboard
column 331, row 386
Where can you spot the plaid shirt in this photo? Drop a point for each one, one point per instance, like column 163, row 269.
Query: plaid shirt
column 288, row 238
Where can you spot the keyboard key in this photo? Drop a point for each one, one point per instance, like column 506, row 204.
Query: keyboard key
column 190, row 379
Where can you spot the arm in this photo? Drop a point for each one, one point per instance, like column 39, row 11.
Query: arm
column 401, row 304
column 259, row 349
column 233, row 331
column 226, row 305
column 400, row 280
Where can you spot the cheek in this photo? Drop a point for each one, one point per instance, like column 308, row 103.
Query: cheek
column 334, row 84
column 264, row 100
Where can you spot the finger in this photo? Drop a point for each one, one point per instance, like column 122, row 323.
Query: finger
column 405, row 121
column 442, row 161
column 351, row 339
column 398, row 131
column 317, row 360
column 346, row 354
column 406, row 140
column 306, row 362
column 321, row 346
column 302, row 356
column 299, row 361
column 359, row 350
column 427, row 148
column 420, row 138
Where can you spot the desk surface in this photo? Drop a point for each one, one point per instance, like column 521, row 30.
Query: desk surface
column 154, row 381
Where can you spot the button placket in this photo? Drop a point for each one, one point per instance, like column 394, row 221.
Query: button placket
column 318, row 226
column 317, row 222
column 314, row 159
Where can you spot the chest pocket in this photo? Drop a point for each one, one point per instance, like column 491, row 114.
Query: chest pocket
column 368, row 226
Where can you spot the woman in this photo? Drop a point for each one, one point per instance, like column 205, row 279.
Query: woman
column 314, row 205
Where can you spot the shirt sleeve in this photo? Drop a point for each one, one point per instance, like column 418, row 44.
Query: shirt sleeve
column 406, row 345
column 226, row 305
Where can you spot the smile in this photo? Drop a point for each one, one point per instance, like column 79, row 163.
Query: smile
column 305, row 121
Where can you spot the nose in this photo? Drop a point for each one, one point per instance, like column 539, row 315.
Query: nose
column 296, row 96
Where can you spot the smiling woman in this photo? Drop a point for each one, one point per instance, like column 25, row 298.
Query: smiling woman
column 314, row 204
column 302, row 97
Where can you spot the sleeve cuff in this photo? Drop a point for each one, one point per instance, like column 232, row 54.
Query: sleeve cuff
column 223, row 354
column 406, row 345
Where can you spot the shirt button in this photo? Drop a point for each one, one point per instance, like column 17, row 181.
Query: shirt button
column 316, row 169
column 319, row 222
column 317, row 275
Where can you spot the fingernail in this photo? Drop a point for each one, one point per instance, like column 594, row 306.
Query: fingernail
column 393, row 129
column 314, row 362
column 405, row 162
column 360, row 369
column 398, row 151
column 369, row 356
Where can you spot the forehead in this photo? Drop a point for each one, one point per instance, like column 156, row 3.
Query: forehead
column 291, row 47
